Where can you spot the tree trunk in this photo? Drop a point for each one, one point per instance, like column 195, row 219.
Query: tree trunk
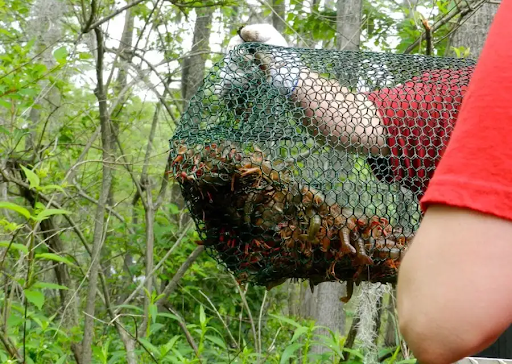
column 194, row 65
column 472, row 34
column 46, row 28
column 124, row 58
column 192, row 73
column 348, row 24
column 324, row 305
column 473, row 30
column 99, row 226
column 278, row 15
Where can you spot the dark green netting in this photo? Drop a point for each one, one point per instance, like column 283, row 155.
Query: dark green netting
column 303, row 163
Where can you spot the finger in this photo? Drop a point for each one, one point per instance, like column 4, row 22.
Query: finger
column 233, row 42
column 262, row 33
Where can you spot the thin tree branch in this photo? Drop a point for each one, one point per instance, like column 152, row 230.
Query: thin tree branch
column 162, row 261
column 444, row 20
column 428, row 37
column 244, row 301
column 109, row 208
column 183, row 327
column 110, row 16
column 48, row 199
column 9, row 346
column 173, row 284
column 106, row 135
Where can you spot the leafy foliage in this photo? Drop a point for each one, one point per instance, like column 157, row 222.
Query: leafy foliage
column 52, row 167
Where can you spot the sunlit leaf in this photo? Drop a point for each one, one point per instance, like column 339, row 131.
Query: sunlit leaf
column 217, row 341
column 298, row 333
column 62, row 359
column 33, row 179
column 153, row 310
column 14, row 246
column 54, row 257
column 60, row 54
column 50, row 212
column 52, row 187
column 35, row 297
column 12, row 206
column 289, row 352
column 49, row 285
column 202, row 315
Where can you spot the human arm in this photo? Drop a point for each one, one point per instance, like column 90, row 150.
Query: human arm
column 454, row 286
column 406, row 126
column 347, row 120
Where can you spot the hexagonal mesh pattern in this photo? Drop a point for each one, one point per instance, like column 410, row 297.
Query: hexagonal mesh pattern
column 302, row 163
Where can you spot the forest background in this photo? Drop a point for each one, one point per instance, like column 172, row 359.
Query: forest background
column 98, row 254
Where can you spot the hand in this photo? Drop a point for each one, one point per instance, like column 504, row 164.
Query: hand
column 280, row 67
column 259, row 33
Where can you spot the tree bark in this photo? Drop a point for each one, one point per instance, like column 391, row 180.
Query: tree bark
column 325, row 307
column 278, row 15
column 99, row 226
column 472, row 32
column 348, row 24
column 324, row 304
column 46, row 28
column 194, row 65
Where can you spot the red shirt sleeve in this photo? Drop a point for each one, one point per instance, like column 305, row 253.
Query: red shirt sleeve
column 419, row 117
column 476, row 169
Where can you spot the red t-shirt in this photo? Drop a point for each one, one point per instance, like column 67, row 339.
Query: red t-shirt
column 476, row 169
column 419, row 117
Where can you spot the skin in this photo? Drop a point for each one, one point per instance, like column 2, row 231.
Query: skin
column 348, row 121
column 454, row 287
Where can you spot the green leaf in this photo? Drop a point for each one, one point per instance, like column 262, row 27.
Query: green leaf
column 174, row 209
column 155, row 328
column 131, row 307
column 287, row 320
column 35, row 297
column 168, row 315
column 33, row 178
column 52, row 187
column 61, row 360
column 216, row 340
column 5, row 104
column 153, row 311
column 4, row 130
column 15, row 246
column 84, row 55
column 202, row 316
column 354, row 353
column 50, row 212
column 49, row 285
column 54, row 257
column 153, row 349
column 12, row 206
column 60, row 54
column 299, row 332
column 288, row 352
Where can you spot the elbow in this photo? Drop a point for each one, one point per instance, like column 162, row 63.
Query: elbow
column 418, row 336
column 423, row 343
column 430, row 343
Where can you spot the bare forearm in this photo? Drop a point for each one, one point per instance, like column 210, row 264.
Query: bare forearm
column 345, row 119
column 454, row 287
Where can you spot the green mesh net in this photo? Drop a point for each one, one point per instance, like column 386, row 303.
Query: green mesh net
column 308, row 164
